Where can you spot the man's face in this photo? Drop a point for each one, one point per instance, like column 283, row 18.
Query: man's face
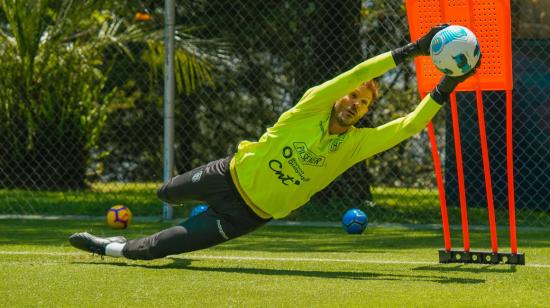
column 351, row 108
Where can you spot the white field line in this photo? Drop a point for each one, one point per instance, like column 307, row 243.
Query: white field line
column 280, row 223
column 277, row 259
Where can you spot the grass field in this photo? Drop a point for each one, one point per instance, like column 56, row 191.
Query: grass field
column 391, row 205
column 275, row 266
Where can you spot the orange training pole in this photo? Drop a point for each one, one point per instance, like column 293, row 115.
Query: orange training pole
column 510, row 165
column 490, row 20
column 460, row 173
column 487, row 171
column 440, row 187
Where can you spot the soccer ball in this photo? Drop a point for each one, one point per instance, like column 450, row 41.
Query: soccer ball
column 455, row 50
column 354, row 221
column 198, row 209
column 119, row 217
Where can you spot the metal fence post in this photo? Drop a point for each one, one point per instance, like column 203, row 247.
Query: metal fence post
column 168, row 99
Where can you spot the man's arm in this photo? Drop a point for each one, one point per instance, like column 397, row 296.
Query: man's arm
column 381, row 138
column 324, row 95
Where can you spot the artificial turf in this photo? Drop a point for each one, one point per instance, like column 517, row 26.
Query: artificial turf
column 276, row 266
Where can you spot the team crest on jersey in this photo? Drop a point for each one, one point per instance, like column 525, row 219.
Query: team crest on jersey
column 334, row 144
column 196, row 177
column 307, row 157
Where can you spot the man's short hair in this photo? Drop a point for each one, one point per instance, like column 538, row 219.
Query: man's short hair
column 373, row 87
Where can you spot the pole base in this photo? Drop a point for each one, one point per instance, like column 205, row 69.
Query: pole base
column 480, row 257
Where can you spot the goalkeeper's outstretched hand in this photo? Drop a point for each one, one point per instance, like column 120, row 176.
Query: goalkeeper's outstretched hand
column 419, row 48
column 423, row 43
column 447, row 84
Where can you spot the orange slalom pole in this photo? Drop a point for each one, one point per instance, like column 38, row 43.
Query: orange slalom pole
column 440, row 187
column 510, row 164
column 487, row 171
column 460, row 173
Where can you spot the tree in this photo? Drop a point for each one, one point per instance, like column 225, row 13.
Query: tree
column 55, row 94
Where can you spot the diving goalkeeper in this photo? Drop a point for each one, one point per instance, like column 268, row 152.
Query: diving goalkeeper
column 310, row 145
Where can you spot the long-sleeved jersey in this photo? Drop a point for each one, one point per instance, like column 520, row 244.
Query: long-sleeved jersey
column 298, row 157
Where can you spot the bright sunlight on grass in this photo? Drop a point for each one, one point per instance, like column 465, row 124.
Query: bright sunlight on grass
column 276, row 266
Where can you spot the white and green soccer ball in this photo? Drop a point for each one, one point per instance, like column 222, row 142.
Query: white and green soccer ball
column 455, row 50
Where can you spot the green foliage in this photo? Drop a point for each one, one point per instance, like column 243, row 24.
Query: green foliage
column 131, row 143
column 57, row 91
column 195, row 58
column 53, row 89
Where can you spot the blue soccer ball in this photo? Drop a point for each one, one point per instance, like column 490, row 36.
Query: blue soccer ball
column 198, row 209
column 354, row 221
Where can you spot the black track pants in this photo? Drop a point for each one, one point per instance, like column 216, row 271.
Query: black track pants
column 227, row 216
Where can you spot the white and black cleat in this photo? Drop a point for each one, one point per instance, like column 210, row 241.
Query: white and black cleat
column 94, row 244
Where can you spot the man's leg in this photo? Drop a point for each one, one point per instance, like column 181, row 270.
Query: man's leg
column 215, row 226
column 226, row 218
column 196, row 185
column 199, row 232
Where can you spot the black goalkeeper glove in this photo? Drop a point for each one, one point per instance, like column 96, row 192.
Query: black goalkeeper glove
column 447, row 85
column 419, row 48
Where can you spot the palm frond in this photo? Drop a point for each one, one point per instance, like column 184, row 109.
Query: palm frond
column 197, row 59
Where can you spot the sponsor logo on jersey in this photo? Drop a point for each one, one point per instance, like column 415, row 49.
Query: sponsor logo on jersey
column 307, row 157
column 277, row 167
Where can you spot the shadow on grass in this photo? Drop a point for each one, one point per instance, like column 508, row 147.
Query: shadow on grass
column 505, row 269
column 185, row 264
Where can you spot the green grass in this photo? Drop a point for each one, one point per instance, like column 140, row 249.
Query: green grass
column 422, row 206
column 275, row 266
column 395, row 205
column 141, row 197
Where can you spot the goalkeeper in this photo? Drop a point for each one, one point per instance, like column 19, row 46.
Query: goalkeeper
column 310, row 145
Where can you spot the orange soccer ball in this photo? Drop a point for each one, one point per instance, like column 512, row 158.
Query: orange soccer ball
column 119, row 217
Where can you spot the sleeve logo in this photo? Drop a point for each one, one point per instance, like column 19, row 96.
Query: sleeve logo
column 197, row 176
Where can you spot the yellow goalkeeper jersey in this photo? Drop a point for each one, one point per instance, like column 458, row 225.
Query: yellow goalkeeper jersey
column 297, row 157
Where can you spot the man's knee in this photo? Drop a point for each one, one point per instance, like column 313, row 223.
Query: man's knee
column 162, row 193
column 167, row 192
column 177, row 190
column 168, row 242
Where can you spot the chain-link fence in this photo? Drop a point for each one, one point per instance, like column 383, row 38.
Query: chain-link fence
column 81, row 95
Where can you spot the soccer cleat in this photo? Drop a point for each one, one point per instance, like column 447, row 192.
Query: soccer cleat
column 94, row 244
